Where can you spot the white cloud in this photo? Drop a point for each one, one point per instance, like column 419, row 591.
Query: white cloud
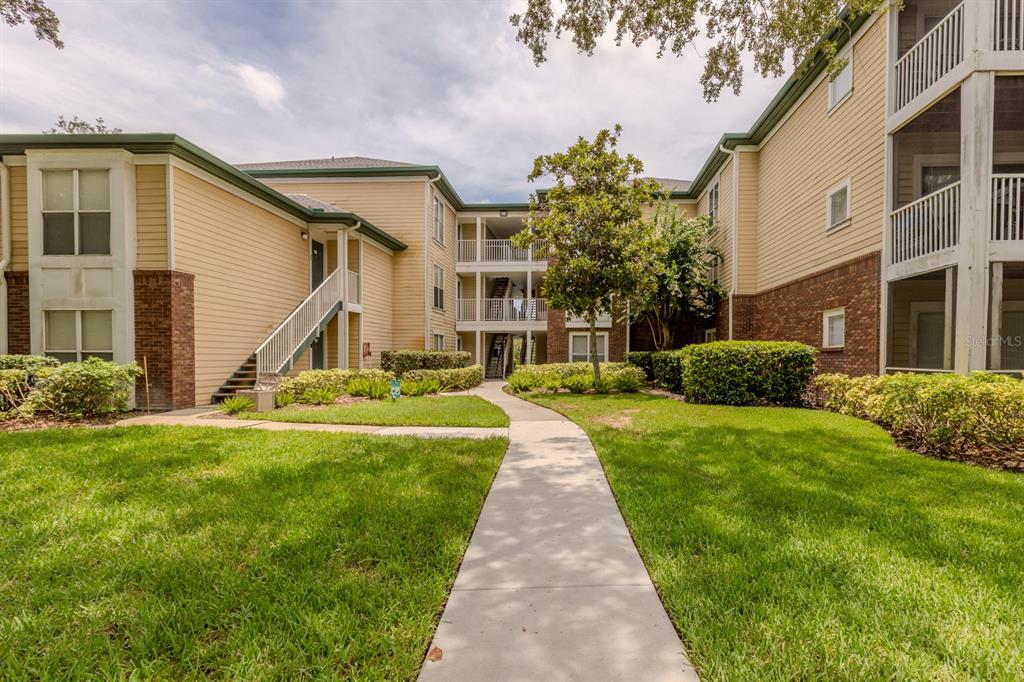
column 264, row 86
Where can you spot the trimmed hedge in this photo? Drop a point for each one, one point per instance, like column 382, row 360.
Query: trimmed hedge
column 30, row 363
column 335, row 380
column 644, row 359
column 746, row 372
column 667, row 369
column 458, row 379
column 576, row 376
column 950, row 415
column 402, row 361
column 76, row 390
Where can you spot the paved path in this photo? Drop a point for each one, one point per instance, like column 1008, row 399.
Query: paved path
column 552, row 587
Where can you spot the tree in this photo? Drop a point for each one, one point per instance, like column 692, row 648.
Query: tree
column 78, row 126
column 766, row 29
column 685, row 290
column 598, row 243
column 35, row 12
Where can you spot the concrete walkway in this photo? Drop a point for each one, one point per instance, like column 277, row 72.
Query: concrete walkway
column 552, row 586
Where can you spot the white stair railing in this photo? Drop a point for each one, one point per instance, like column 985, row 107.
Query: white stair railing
column 935, row 55
column 1008, row 28
column 274, row 353
column 927, row 225
column 1007, row 207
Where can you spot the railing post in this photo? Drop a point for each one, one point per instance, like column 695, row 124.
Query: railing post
column 479, row 222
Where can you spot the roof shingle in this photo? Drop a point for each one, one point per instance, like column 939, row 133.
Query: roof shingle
column 328, row 163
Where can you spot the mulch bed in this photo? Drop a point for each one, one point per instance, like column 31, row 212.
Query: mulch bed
column 990, row 458
column 38, row 423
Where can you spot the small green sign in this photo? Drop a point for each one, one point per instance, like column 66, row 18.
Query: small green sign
column 396, row 389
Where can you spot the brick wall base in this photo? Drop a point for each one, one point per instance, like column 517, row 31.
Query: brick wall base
column 19, row 340
column 165, row 338
column 792, row 312
column 558, row 337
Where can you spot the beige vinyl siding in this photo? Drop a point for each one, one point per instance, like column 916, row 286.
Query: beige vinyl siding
column 398, row 209
column 151, row 217
column 810, row 153
column 899, row 332
column 251, row 269
column 723, row 235
column 746, row 255
column 19, row 218
column 443, row 321
column 378, row 303
column 354, row 348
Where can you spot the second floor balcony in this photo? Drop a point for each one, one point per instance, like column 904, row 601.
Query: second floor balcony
column 501, row 310
column 498, row 251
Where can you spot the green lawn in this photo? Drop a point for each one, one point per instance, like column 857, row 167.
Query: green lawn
column 796, row 544
column 453, row 410
column 176, row 552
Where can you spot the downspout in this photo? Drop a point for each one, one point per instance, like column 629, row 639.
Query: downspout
column 735, row 230
column 5, row 240
column 427, row 293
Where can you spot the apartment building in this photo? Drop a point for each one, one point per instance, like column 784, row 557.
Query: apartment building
column 877, row 215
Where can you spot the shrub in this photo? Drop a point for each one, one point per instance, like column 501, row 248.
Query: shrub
column 644, row 359
column 625, row 380
column 374, row 387
column 667, row 369
column 334, row 379
column 236, row 404
column 459, row 379
column 420, row 387
column 532, row 377
column 283, row 399
column 402, row 361
column 578, row 383
column 30, row 363
column 939, row 413
column 322, row 395
column 747, row 372
column 75, row 390
column 15, row 385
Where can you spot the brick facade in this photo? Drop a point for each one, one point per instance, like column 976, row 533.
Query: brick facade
column 558, row 338
column 165, row 337
column 19, row 340
column 792, row 312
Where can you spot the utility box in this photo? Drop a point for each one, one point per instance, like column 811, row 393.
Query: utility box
column 262, row 400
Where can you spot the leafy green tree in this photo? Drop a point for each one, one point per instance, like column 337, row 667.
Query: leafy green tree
column 685, row 289
column 37, row 14
column 765, row 29
column 79, row 126
column 591, row 225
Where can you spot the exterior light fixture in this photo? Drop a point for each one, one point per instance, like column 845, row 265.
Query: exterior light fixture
column 503, row 213
column 305, row 236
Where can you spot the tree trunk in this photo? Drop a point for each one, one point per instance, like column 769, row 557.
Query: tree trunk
column 666, row 335
column 593, row 348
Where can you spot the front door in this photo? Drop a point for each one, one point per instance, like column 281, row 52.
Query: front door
column 316, row 279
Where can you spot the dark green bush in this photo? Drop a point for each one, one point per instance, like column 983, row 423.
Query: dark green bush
column 578, row 383
column 667, row 369
column 644, row 359
column 627, row 380
column 15, row 385
column 236, row 404
column 458, row 379
column 402, row 361
column 746, row 372
column 75, row 390
column 30, row 363
column 322, row 395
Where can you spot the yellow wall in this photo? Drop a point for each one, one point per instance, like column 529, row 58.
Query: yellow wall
column 746, row 253
column 19, row 219
column 379, row 301
column 151, row 217
column 251, row 269
column 443, row 321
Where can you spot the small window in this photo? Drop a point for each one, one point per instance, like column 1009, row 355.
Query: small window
column 710, row 335
column 713, row 203
column 840, row 87
column 439, row 287
column 714, row 268
column 74, row 335
column 437, row 342
column 76, row 212
column 834, row 328
column 837, row 206
column 438, row 220
column 579, row 347
column 458, row 343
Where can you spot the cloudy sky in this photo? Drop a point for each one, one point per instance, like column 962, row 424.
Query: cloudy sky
column 433, row 82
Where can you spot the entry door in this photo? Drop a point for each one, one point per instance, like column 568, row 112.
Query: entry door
column 931, row 330
column 318, row 359
column 1012, row 334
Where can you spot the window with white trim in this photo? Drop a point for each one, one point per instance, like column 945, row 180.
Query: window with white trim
column 439, row 287
column 710, row 335
column 437, row 342
column 833, row 328
column 76, row 212
column 841, row 85
column 579, row 347
column 458, row 343
column 837, row 206
column 74, row 335
column 714, row 267
column 713, row 203
column 438, row 220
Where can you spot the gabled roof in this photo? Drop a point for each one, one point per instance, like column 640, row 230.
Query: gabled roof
column 329, row 163
column 672, row 184
column 169, row 143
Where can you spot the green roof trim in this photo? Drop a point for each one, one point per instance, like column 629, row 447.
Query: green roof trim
column 175, row 145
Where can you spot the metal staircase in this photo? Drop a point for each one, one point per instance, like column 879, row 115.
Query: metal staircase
column 291, row 338
column 500, row 287
column 496, row 357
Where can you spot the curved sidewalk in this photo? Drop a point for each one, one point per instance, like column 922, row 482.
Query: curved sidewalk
column 552, row 586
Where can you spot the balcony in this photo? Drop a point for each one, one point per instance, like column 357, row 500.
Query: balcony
column 1007, row 207
column 925, row 226
column 1008, row 27
column 501, row 310
column 937, row 53
column 498, row 251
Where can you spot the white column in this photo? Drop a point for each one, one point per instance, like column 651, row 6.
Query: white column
column 479, row 348
column 529, row 359
column 996, row 316
column 479, row 225
column 947, row 332
column 362, row 288
column 343, row 313
column 976, row 103
column 478, row 296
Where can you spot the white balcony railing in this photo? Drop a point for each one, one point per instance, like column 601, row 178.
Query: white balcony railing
column 1007, row 207
column 277, row 351
column 355, row 294
column 935, row 55
column 498, row 251
column 501, row 310
column 927, row 225
column 1008, row 27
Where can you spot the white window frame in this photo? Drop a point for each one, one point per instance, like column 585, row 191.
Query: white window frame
column 713, row 197
column 78, row 350
column 438, row 220
column 825, row 317
column 76, row 211
column 438, row 287
column 829, row 225
column 710, row 335
column 836, row 100
column 436, row 341
column 587, row 336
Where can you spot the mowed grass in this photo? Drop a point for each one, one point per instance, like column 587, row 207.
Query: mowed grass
column 797, row 544
column 184, row 553
column 454, row 410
